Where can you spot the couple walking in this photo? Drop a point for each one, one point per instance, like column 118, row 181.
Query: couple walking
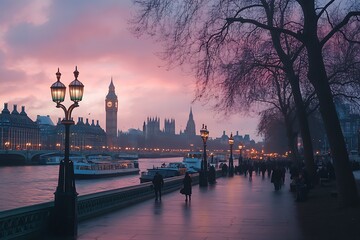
column 158, row 183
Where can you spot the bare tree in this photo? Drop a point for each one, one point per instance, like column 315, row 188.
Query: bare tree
column 209, row 36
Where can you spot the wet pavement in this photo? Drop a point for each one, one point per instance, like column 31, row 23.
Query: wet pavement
column 233, row 208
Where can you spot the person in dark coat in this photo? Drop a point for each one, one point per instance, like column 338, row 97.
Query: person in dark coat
column 276, row 178
column 158, row 183
column 187, row 186
column 212, row 175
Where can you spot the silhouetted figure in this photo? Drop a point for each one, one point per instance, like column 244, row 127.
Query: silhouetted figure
column 276, row 178
column 301, row 188
column 294, row 175
column 263, row 169
column 283, row 172
column 212, row 175
column 331, row 170
column 187, row 186
column 158, row 183
column 250, row 170
column 224, row 169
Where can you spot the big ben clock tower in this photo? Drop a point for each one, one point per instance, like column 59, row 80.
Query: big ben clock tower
column 111, row 107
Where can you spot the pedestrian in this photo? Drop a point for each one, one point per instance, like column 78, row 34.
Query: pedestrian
column 187, row 186
column 212, row 175
column 276, row 178
column 158, row 183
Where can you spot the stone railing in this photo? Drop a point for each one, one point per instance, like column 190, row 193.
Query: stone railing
column 95, row 204
column 33, row 221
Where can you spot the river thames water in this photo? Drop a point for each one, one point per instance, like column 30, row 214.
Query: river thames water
column 28, row 185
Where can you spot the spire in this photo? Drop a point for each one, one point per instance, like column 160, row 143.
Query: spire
column 5, row 110
column 15, row 110
column 190, row 126
column 111, row 86
column 23, row 111
column 191, row 114
column 111, row 94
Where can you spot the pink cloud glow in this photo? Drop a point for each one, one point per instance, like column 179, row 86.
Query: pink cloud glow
column 38, row 38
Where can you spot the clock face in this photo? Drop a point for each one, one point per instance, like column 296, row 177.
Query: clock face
column 109, row 104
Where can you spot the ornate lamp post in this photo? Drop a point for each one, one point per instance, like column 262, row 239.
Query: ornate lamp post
column 203, row 181
column 65, row 211
column 231, row 160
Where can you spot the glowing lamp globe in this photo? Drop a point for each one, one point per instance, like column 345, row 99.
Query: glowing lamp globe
column 204, row 133
column 76, row 88
column 58, row 89
column 231, row 139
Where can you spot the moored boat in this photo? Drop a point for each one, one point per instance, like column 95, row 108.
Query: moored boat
column 192, row 161
column 104, row 166
column 51, row 159
column 127, row 156
column 170, row 170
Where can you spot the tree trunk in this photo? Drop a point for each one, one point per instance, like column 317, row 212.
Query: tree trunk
column 304, row 126
column 318, row 77
column 292, row 144
column 299, row 104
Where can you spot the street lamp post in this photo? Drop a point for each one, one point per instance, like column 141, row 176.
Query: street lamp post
column 203, row 181
column 241, row 146
column 65, row 210
column 231, row 160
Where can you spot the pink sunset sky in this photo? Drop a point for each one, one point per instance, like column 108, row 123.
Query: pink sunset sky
column 37, row 37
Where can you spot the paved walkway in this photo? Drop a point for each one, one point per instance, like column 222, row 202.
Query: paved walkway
column 233, row 208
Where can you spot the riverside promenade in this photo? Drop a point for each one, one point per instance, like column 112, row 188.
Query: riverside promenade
column 233, row 208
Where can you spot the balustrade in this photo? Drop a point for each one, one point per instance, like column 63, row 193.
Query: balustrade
column 33, row 221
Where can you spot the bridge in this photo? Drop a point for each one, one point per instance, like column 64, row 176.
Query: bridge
column 21, row 157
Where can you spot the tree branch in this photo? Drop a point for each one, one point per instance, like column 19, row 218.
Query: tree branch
column 325, row 8
column 339, row 26
column 298, row 36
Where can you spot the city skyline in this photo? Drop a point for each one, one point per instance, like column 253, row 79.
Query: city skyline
column 37, row 37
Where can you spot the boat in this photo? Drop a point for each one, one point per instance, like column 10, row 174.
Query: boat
column 100, row 166
column 218, row 160
column 51, row 159
column 192, row 161
column 127, row 156
column 166, row 170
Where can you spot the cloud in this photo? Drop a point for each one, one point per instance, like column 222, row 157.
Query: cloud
column 37, row 37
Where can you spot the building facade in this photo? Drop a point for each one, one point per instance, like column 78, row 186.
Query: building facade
column 84, row 136
column 47, row 132
column 169, row 126
column 18, row 131
column 151, row 128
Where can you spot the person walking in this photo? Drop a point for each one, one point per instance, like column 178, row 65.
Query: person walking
column 158, row 183
column 276, row 178
column 187, row 186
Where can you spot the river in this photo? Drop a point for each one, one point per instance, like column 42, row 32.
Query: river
column 28, row 185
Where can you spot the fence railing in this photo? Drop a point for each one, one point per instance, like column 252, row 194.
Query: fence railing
column 34, row 221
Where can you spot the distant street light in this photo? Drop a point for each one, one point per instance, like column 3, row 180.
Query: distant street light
column 28, row 145
column 203, row 181
column 65, row 214
column 241, row 146
column 231, row 160
column 7, row 145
